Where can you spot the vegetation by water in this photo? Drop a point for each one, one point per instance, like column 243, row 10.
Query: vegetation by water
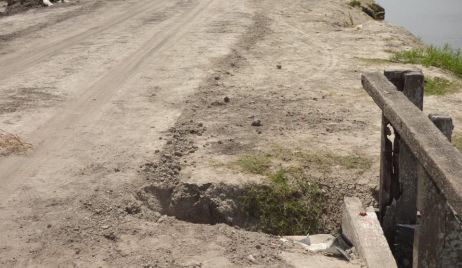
column 445, row 58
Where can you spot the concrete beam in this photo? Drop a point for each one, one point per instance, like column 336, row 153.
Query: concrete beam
column 363, row 229
column 441, row 160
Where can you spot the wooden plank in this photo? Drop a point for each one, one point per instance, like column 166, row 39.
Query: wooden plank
column 363, row 229
column 437, row 155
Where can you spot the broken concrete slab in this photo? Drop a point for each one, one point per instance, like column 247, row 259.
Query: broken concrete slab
column 363, row 229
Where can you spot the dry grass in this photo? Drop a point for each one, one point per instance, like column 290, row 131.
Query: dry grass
column 439, row 86
column 12, row 144
column 457, row 141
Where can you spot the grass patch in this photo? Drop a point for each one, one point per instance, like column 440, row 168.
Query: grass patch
column 354, row 3
column 324, row 161
column 439, row 86
column 321, row 161
column 287, row 205
column 457, row 141
column 445, row 58
column 291, row 201
column 256, row 164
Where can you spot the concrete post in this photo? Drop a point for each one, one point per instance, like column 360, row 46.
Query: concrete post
column 403, row 209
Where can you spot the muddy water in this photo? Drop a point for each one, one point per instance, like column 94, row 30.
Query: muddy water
column 437, row 22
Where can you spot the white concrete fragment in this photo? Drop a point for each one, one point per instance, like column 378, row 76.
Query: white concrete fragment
column 314, row 243
column 47, row 3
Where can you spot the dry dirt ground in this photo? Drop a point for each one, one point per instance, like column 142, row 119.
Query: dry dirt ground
column 115, row 113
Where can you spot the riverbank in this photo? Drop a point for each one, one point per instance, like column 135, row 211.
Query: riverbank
column 148, row 163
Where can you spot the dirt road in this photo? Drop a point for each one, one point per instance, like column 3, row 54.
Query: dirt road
column 120, row 102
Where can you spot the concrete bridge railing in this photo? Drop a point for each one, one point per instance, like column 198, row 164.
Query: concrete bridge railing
column 420, row 198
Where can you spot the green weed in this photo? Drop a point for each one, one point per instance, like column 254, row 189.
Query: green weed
column 286, row 205
column 290, row 202
column 256, row 164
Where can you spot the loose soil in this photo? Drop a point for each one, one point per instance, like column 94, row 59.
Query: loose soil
column 129, row 118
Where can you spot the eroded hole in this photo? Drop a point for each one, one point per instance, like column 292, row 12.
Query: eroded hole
column 272, row 208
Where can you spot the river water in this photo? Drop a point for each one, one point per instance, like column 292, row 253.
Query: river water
column 436, row 22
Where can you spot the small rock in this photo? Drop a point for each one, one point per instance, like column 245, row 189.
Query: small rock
column 110, row 236
column 256, row 123
column 179, row 154
column 133, row 209
column 162, row 219
column 217, row 78
column 226, row 99
column 251, row 259
column 105, row 227
column 279, row 66
column 258, row 247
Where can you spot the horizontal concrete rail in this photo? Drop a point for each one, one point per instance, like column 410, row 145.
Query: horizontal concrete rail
column 441, row 160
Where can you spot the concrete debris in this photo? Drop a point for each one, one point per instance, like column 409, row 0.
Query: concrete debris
column 324, row 243
column 251, row 259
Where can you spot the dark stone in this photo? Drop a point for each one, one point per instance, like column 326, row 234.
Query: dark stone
column 256, row 123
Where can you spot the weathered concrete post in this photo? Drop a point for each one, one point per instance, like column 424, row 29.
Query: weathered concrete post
column 438, row 240
column 402, row 210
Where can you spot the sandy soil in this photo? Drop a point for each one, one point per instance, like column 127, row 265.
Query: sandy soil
column 115, row 103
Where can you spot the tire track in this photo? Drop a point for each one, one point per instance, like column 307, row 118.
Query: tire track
column 17, row 63
column 60, row 129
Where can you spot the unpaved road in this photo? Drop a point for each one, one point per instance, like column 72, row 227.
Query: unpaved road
column 117, row 96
